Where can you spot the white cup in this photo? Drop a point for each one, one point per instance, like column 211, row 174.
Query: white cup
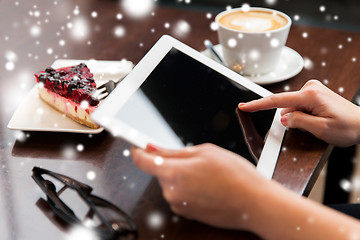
column 250, row 45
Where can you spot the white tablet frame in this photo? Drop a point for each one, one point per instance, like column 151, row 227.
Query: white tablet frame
column 105, row 114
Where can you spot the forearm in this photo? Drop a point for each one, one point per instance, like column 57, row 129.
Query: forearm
column 282, row 214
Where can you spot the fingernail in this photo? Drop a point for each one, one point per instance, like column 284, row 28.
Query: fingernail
column 152, row 147
column 284, row 120
column 241, row 105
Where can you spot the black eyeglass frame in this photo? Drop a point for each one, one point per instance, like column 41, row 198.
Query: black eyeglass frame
column 84, row 191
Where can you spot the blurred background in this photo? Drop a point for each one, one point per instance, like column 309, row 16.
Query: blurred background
column 339, row 14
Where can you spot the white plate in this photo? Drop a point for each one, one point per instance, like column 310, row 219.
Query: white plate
column 290, row 64
column 35, row 115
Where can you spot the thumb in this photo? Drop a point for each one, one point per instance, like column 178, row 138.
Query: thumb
column 303, row 121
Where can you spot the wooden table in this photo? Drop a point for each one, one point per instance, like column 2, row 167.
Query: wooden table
column 331, row 56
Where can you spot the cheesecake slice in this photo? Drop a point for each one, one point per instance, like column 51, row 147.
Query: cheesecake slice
column 70, row 90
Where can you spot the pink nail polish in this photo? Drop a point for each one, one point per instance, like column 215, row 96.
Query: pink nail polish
column 241, row 104
column 284, row 120
column 151, row 147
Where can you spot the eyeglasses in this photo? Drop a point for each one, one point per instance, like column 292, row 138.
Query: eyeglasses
column 102, row 217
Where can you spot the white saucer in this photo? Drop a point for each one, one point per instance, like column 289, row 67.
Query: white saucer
column 291, row 63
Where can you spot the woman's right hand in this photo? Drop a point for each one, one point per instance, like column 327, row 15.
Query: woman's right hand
column 317, row 109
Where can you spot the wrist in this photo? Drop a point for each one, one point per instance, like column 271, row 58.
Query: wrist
column 273, row 207
column 259, row 197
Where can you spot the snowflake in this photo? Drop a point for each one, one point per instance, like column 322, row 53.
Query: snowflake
column 80, row 147
column 35, row 31
column 20, row 136
column 119, row 31
column 126, row 153
column 76, row 10
column 271, row 2
column 77, row 232
column 245, row 7
column 232, row 42
column 158, row 160
column 308, row 64
column 91, row 175
column 37, row 14
column 40, row 111
column 181, row 28
column 345, row 185
column 138, row 8
column 68, row 152
column 296, row 17
column 62, row 42
column 94, row 14
column 214, row 26
column 9, row 66
column 79, row 29
column 155, row 220
column 322, row 8
column 11, row 56
column 305, row 35
column 119, row 16
column 310, row 220
column 274, row 42
column 254, row 54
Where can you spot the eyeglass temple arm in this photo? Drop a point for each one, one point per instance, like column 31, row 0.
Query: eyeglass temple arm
column 51, row 194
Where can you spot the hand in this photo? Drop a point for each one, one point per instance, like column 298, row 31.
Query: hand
column 205, row 183
column 317, row 109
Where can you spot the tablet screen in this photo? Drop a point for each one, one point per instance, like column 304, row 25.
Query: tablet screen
column 184, row 102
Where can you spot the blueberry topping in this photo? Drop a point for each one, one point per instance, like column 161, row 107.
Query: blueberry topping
column 93, row 101
column 50, row 70
column 42, row 77
column 76, row 82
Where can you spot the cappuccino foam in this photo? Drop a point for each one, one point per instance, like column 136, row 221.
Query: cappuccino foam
column 253, row 21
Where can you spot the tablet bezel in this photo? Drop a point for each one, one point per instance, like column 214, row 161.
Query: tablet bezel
column 105, row 114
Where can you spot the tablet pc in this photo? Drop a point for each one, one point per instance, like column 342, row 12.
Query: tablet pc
column 175, row 97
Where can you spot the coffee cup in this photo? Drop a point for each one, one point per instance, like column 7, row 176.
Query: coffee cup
column 252, row 39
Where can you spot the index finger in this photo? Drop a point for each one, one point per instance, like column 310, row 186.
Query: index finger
column 279, row 100
column 147, row 161
column 154, row 163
